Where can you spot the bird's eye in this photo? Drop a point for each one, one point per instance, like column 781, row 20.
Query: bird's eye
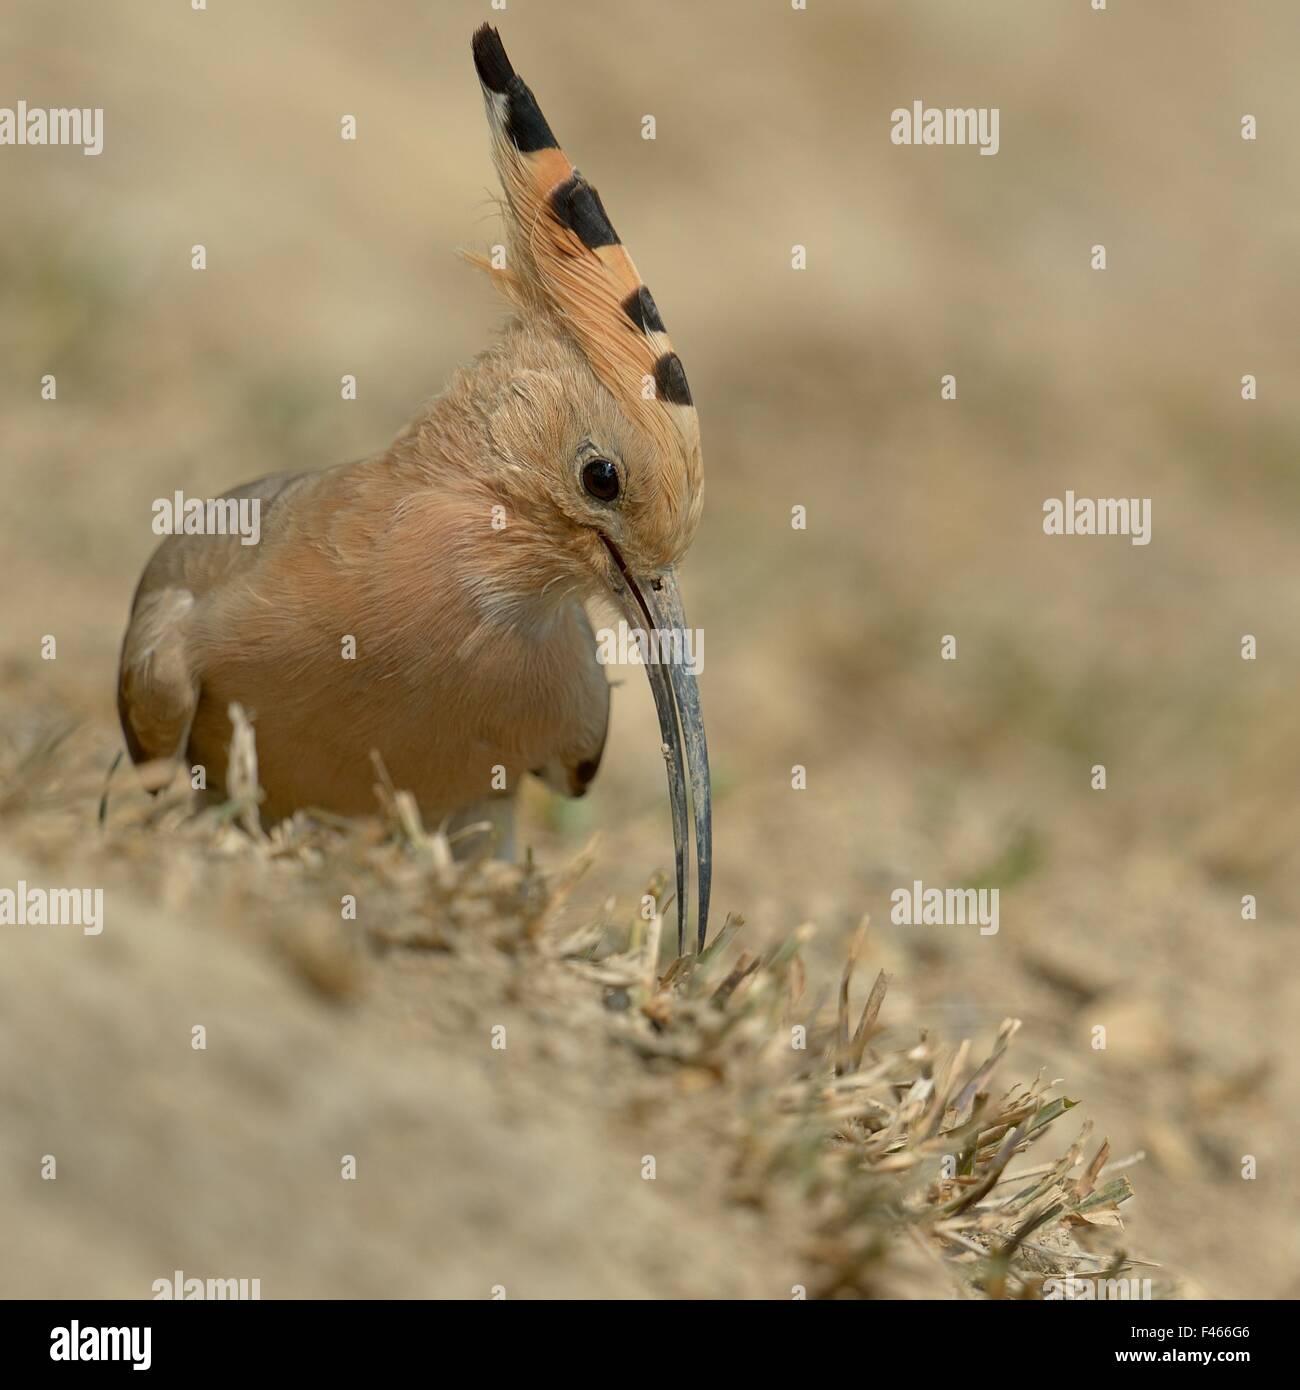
column 600, row 478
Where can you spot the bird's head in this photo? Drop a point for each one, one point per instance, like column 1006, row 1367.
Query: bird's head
column 593, row 432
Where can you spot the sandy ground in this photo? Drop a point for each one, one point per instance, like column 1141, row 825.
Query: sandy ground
column 819, row 388
column 476, row 1169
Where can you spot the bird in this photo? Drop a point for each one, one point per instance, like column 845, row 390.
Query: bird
column 428, row 605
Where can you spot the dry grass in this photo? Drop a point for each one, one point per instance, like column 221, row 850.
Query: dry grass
column 881, row 1166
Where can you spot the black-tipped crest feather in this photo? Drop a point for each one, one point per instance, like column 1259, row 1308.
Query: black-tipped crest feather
column 525, row 125
column 578, row 206
column 494, row 68
column 670, row 380
column 640, row 307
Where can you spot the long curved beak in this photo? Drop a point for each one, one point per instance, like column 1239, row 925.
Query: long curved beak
column 654, row 606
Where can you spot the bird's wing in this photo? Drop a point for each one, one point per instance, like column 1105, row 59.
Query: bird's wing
column 158, row 686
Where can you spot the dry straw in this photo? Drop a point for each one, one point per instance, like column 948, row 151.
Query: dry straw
column 891, row 1166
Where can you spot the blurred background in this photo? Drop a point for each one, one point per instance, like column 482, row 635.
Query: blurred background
column 817, row 388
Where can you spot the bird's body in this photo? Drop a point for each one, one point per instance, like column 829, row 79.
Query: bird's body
column 379, row 611
column 427, row 604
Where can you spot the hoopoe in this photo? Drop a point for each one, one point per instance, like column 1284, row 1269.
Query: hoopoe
column 564, row 462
